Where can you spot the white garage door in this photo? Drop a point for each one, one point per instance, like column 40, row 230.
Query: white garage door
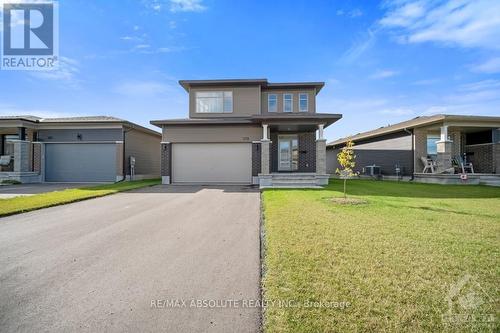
column 216, row 163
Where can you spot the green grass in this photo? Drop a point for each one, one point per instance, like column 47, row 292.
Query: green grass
column 28, row 203
column 393, row 259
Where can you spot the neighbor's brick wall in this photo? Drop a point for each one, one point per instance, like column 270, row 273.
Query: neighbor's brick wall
column 497, row 158
column 256, row 156
column 420, row 148
column 483, row 158
column 456, row 138
column 166, row 154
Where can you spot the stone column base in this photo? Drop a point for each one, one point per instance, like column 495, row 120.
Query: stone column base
column 265, row 157
column 321, row 156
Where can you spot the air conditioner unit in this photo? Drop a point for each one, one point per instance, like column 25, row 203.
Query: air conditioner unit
column 371, row 170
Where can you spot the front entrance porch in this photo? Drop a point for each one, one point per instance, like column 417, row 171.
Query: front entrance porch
column 291, row 156
column 456, row 153
column 20, row 157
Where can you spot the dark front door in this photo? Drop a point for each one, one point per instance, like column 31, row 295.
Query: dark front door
column 288, row 153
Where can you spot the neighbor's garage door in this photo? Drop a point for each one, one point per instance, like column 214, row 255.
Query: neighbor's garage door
column 80, row 162
column 212, row 163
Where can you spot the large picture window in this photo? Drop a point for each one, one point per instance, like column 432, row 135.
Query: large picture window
column 303, row 103
column 272, row 103
column 287, row 102
column 214, row 102
column 432, row 144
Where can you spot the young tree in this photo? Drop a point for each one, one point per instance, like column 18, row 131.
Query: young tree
column 346, row 159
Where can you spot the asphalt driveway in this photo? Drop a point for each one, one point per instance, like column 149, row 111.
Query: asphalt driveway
column 127, row 262
column 11, row 191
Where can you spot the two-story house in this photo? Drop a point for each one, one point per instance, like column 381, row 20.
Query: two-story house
column 247, row 132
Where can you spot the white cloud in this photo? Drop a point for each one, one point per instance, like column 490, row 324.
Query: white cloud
column 355, row 13
column 65, row 73
column 383, row 74
column 186, row 6
column 464, row 23
column 352, row 13
column 480, row 85
column 10, row 110
column 366, row 41
column 397, row 111
column 176, row 5
column 142, row 88
column 426, row 82
column 491, row 66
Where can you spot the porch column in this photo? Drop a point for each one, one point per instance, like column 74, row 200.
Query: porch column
column 444, row 150
column 265, row 145
column 21, row 156
column 320, row 152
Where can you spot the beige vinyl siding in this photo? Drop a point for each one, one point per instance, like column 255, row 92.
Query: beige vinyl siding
column 146, row 150
column 246, row 102
column 399, row 143
column 216, row 133
column 311, row 101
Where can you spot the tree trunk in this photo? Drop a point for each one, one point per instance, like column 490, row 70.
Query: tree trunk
column 345, row 193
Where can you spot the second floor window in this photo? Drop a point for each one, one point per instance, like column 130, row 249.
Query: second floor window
column 287, row 103
column 303, row 103
column 214, row 102
column 272, row 103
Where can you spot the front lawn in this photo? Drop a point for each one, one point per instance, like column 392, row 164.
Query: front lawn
column 414, row 258
column 27, row 203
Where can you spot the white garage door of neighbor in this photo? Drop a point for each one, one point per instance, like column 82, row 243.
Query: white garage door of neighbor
column 212, row 163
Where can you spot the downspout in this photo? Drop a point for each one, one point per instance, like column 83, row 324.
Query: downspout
column 124, row 161
column 412, row 153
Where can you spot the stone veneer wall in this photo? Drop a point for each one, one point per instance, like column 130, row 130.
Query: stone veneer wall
column 166, row 154
column 321, row 157
column 37, row 157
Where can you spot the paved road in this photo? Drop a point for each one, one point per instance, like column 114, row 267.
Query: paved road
column 97, row 265
column 11, row 191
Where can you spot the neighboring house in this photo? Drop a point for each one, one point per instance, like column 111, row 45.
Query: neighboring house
column 447, row 140
column 247, row 132
column 80, row 149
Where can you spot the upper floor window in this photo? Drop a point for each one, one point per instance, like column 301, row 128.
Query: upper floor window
column 272, row 103
column 287, row 102
column 214, row 102
column 303, row 102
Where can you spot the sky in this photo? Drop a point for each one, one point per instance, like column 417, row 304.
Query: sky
column 382, row 62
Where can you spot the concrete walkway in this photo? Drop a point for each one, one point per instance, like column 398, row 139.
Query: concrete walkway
column 109, row 264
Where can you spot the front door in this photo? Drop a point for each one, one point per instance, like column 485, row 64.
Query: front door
column 288, row 153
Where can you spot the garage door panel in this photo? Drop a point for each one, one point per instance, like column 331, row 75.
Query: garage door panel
column 212, row 163
column 69, row 162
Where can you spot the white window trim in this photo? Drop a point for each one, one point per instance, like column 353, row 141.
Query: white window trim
column 291, row 104
column 214, row 91
column 307, row 102
column 276, row 99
